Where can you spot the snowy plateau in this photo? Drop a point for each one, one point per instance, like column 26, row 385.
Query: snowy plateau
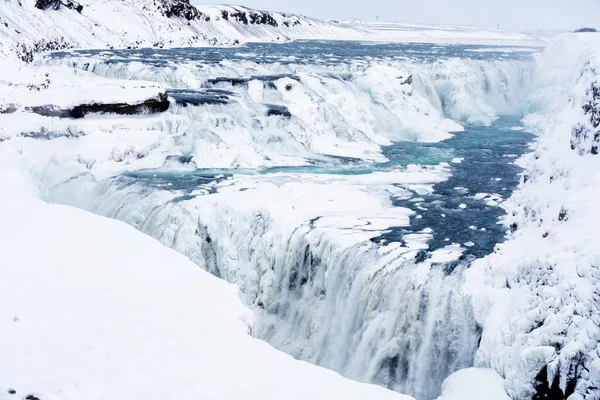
column 218, row 202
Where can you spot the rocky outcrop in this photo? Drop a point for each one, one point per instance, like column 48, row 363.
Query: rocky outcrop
column 181, row 9
column 57, row 4
column 278, row 110
column 585, row 135
column 250, row 17
column 154, row 105
column 26, row 52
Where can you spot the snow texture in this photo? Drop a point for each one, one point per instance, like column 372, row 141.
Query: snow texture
column 93, row 308
column 474, row 384
column 538, row 295
column 29, row 27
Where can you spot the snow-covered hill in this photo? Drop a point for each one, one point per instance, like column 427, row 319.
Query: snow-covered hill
column 26, row 29
column 31, row 26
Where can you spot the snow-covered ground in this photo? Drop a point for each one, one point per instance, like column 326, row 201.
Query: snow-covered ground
column 538, row 295
column 422, row 33
column 93, row 308
column 141, row 23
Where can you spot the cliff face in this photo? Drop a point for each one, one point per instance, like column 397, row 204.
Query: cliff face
column 538, row 295
column 585, row 135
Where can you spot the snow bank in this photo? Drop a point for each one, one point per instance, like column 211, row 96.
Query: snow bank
column 537, row 296
column 100, row 310
column 474, row 384
column 65, row 88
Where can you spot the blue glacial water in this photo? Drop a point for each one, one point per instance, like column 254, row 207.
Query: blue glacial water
column 314, row 52
column 487, row 167
column 454, row 211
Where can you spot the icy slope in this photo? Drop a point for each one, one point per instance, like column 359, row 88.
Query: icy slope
column 32, row 26
column 538, row 295
column 143, row 23
column 92, row 308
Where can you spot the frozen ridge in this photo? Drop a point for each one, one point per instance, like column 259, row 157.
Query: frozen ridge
column 538, row 296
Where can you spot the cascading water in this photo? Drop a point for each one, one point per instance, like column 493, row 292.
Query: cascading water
column 342, row 248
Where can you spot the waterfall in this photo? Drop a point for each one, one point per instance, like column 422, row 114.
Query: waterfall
column 324, row 290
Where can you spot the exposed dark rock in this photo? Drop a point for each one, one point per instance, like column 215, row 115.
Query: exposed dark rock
column 277, row 110
column 513, row 227
column 181, row 9
column 292, row 23
column 8, row 108
column 585, row 136
column 303, row 269
column 26, row 52
column 545, row 390
column 154, row 105
column 267, row 79
column 12, row 391
column 407, row 81
column 186, row 159
column 231, row 81
column 562, row 215
column 586, row 30
column 56, row 4
column 250, row 17
column 31, row 397
column 150, row 106
column 421, row 256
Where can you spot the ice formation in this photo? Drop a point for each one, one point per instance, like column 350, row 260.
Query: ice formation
column 537, row 296
column 302, row 247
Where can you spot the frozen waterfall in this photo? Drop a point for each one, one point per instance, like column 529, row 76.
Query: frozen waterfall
column 305, row 246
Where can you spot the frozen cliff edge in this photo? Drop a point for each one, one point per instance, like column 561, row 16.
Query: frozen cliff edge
column 93, row 308
column 538, row 295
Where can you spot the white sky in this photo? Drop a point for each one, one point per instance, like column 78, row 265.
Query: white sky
column 511, row 14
